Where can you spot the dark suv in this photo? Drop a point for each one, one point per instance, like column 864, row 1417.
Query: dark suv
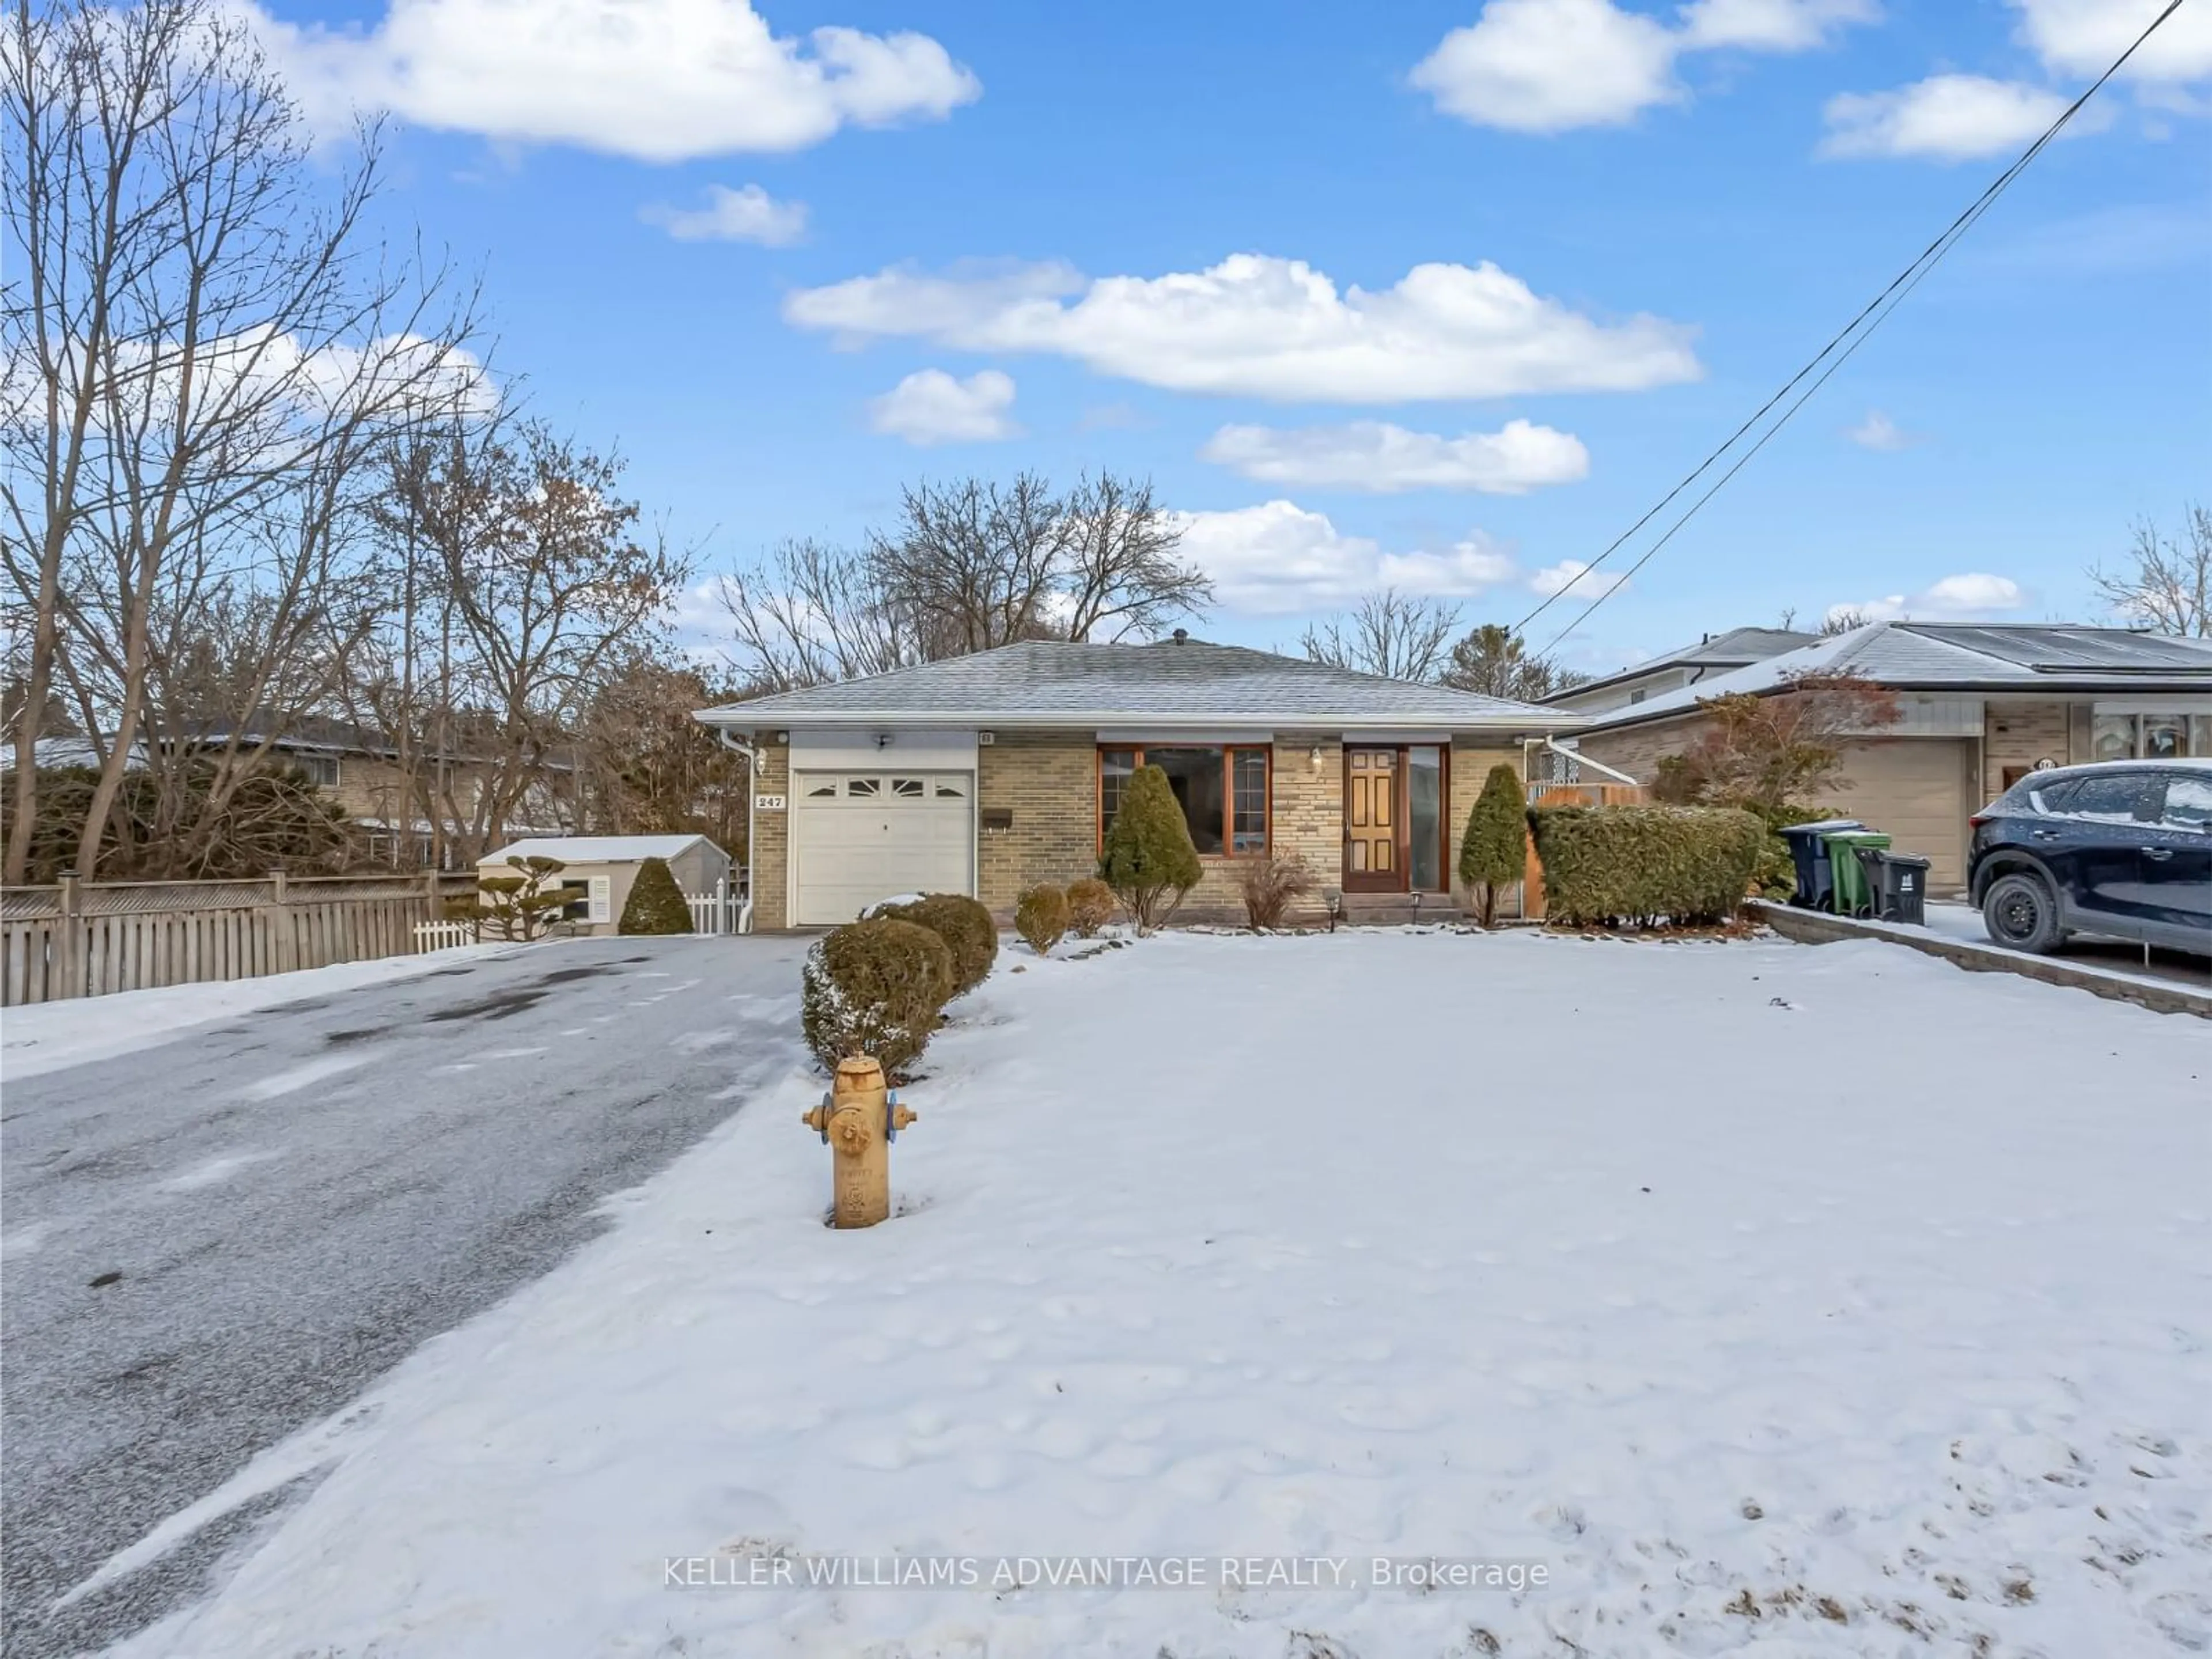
column 2122, row 848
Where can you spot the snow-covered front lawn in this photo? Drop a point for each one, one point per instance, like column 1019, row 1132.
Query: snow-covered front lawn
column 1773, row 1299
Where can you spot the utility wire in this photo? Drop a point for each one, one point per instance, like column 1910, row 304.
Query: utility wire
column 1861, row 326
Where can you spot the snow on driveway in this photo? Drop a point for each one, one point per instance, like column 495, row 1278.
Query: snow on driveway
column 1773, row 1298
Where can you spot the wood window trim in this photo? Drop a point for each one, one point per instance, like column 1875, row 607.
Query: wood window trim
column 1227, row 751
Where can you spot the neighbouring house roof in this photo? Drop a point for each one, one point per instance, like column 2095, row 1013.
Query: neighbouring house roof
column 596, row 849
column 1980, row 657
column 74, row 751
column 1734, row 649
column 320, row 734
column 1054, row 683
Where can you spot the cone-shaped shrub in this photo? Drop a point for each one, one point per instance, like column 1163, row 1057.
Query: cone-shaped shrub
column 874, row 987
column 1090, row 906
column 1148, row 859
column 966, row 927
column 1040, row 917
column 1494, row 852
column 656, row 904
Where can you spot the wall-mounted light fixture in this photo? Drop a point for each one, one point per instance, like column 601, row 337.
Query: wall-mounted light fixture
column 1315, row 758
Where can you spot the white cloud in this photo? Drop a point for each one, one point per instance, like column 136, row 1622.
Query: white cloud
column 1952, row 118
column 1974, row 593
column 1771, row 25
column 749, row 214
column 1550, row 65
column 1567, row 575
column 1259, row 326
column 1278, row 559
column 1376, row 456
column 1878, row 432
column 655, row 80
column 932, row 407
column 1462, row 570
column 2082, row 36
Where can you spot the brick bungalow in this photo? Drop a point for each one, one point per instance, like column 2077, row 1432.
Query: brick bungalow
column 1983, row 705
column 985, row 773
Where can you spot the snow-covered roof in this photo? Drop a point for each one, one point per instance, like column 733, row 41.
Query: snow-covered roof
column 595, row 849
column 1056, row 683
column 1983, row 657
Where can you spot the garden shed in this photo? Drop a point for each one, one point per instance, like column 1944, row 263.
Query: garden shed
column 598, row 870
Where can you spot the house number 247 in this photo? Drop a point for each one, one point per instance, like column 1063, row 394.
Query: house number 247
column 768, row 803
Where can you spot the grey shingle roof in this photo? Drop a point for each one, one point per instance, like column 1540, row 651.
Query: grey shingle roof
column 1985, row 657
column 1173, row 682
column 1734, row 649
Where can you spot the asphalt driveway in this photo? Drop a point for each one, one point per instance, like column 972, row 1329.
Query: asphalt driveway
column 214, row 1242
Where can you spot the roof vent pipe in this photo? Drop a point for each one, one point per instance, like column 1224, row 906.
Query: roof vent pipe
column 1181, row 634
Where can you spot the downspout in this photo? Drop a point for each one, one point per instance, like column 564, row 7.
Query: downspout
column 1581, row 759
column 752, row 801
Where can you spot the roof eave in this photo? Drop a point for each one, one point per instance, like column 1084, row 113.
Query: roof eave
column 2037, row 685
column 738, row 716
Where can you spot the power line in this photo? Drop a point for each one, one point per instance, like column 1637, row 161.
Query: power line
column 1861, row 326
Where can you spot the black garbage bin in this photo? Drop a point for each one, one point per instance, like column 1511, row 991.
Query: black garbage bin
column 1898, row 884
column 1809, row 853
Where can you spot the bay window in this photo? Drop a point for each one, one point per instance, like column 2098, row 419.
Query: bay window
column 2150, row 737
column 1222, row 789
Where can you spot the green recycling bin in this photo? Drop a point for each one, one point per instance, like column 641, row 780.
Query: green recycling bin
column 1853, row 896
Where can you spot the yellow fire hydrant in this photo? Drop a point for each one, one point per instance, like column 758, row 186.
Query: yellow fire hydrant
column 859, row 1118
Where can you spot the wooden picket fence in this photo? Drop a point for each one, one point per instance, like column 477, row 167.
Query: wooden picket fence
column 90, row 938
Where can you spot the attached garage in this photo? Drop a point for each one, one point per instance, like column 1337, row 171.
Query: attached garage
column 1917, row 791
column 858, row 837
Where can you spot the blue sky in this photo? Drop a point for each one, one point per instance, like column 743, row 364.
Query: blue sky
column 1680, row 203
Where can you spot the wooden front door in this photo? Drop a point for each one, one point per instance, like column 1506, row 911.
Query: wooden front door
column 1374, row 821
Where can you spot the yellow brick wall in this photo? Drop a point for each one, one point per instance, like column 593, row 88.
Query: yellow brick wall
column 772, row 837
column 1470, row 769
column 2018, row 735
column 1049, row 781
column 1636, row 749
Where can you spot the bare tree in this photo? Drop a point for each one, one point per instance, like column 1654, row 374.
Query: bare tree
column 811, row 613
column 1842, row 619
column 650, row 768
column 976, row 563
column 970, row 567
column 1120, row 576
column 1495, row 662
column 531, row 588
column 200, row 362
column 2167, row 581
column 1397, row 635
column 1781, row 751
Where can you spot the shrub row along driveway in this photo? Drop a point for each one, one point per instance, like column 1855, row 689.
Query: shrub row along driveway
column 297, row 1201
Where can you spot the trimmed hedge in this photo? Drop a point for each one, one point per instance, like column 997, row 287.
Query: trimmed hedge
column 1148, row 859
column 874, row 987
column 656, row 904
column 964, row 924
column 1642, row 863
column 1090, row 906
column 1040, row 917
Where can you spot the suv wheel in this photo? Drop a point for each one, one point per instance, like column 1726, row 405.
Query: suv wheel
column 2022, row 913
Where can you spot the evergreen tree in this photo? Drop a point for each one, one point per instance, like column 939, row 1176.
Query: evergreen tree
column 1148, row 859
column 1494, row 850
column 517, row 907
column 656, row 904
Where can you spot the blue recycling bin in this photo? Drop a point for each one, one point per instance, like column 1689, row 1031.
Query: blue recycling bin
column 1808, row 851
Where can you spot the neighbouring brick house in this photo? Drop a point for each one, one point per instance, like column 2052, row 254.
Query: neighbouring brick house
column 985, row 773
column 1983, row 705
column 361, row 770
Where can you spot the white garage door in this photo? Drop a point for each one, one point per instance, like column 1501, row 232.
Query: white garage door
column 858, row 837
column 1914, row 790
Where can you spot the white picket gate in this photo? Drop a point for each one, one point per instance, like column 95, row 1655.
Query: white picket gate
column 442, row 935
